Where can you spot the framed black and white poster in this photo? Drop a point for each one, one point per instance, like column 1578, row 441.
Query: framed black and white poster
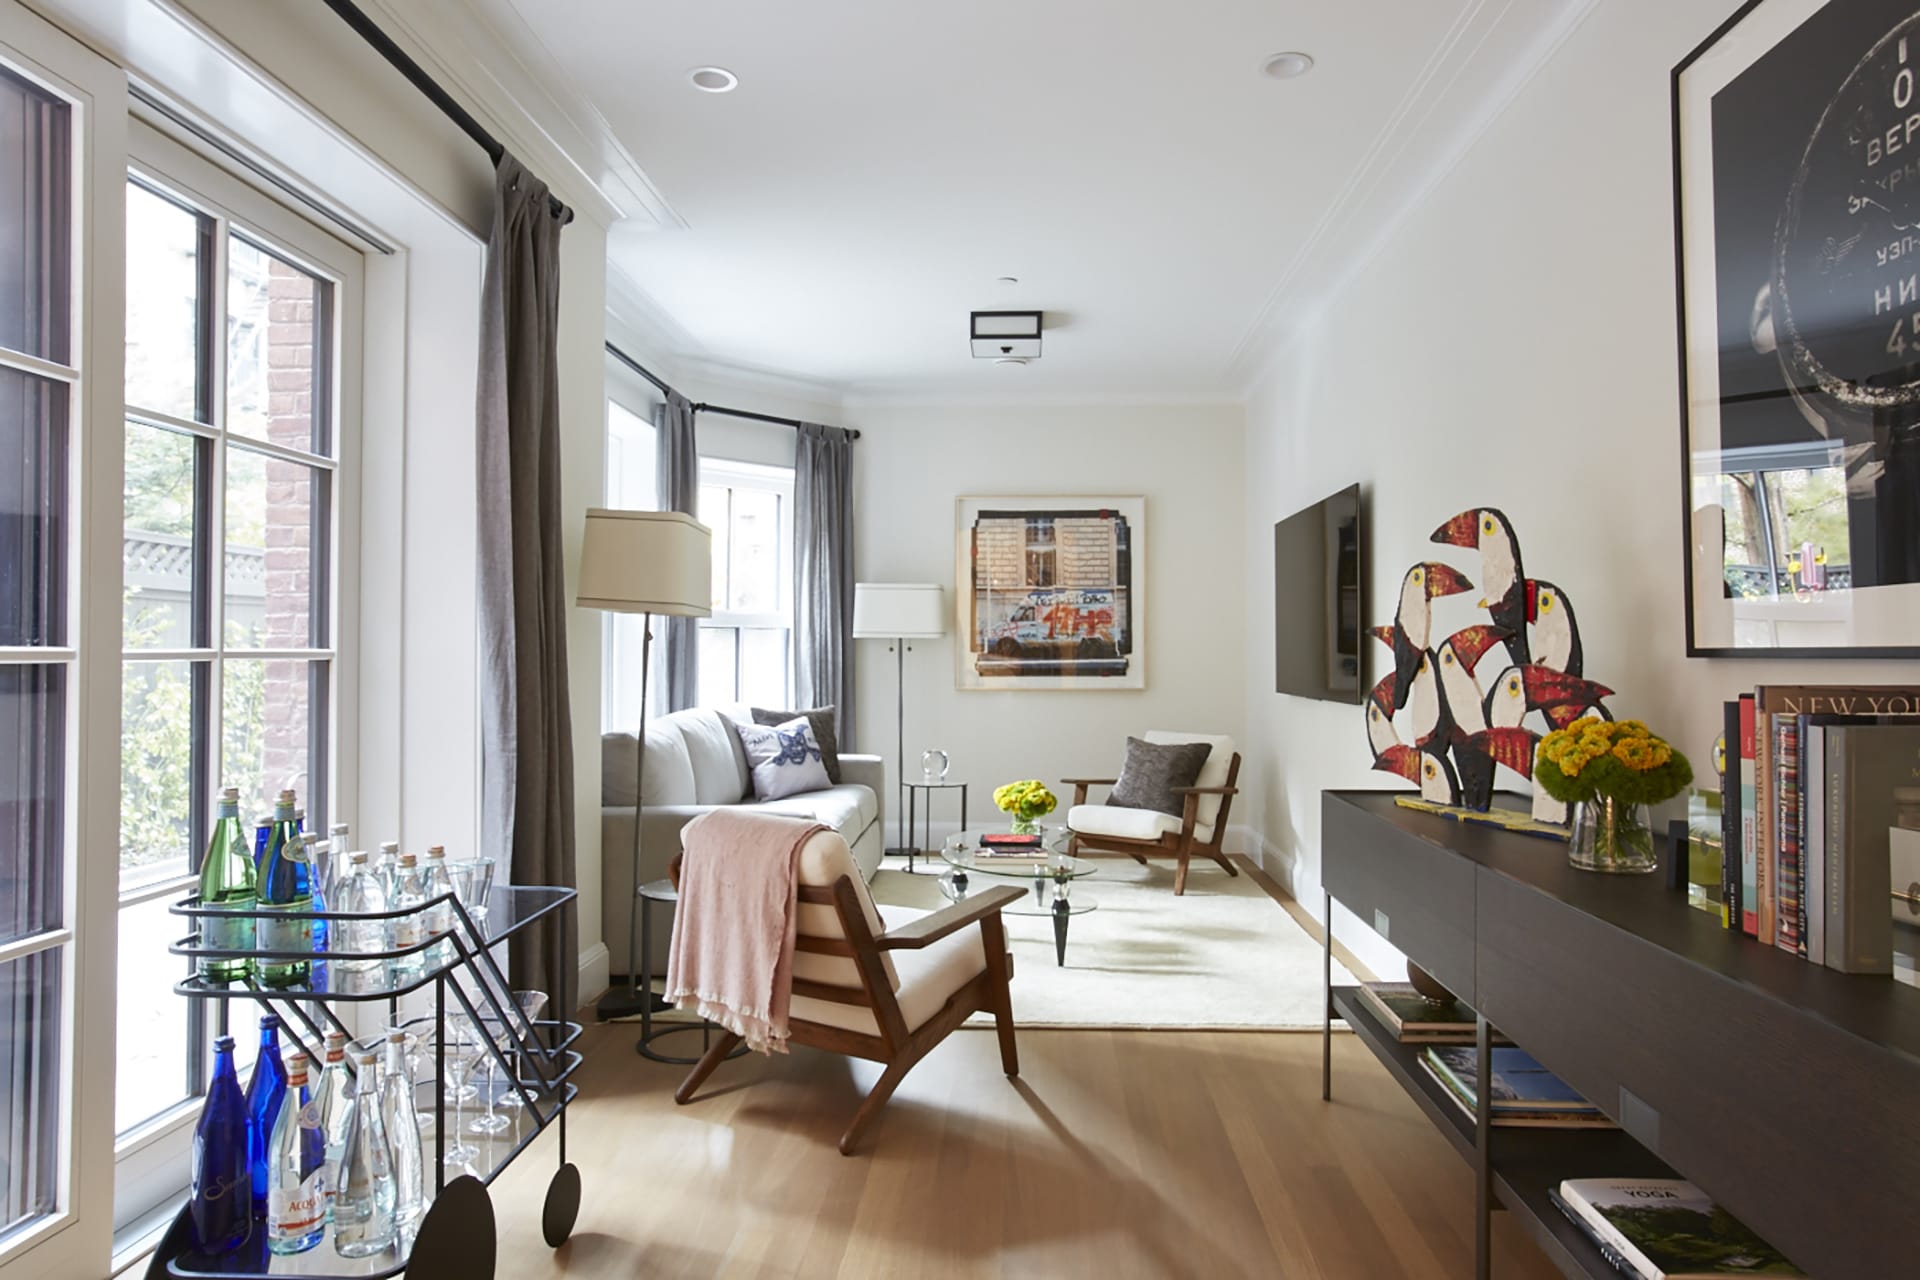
column 1797, row 217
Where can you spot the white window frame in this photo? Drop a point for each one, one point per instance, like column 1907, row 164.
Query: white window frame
column 734, row 474
column 67, row 1241
column 151, row 1157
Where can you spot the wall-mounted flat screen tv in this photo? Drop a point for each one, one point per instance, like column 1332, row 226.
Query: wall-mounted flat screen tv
column 1317, row 635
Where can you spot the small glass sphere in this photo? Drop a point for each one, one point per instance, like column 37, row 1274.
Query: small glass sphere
column 933, row 764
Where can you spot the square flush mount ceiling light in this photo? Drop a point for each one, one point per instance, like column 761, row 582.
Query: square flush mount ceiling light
column 1006, row 335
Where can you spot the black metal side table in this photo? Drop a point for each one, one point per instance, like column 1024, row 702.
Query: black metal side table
column 650, row 893
column 913, row 804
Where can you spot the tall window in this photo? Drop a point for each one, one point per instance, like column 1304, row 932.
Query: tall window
column 630, row 487
column 229, row 549
column 39, row 377
column 746, row 646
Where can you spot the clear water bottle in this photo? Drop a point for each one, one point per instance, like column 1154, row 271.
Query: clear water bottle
column 409, row 895
column 363, row 1222
column 338, row 839
column 334, row 1097
column 361, row 891
column 386, row 865
column 402, row 1120
column 436, row 883
column 296, row 1168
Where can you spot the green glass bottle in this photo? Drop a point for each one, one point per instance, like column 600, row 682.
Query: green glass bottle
column 284, row 887
column 227, row 880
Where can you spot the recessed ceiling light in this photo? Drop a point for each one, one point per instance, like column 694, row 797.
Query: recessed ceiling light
column 1287, row 66
column 1009, row 360
column 713, row 79
column 1009, row 279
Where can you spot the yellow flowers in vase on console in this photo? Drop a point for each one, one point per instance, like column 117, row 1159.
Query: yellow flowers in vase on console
column 1026, row 802
column 1611, row 772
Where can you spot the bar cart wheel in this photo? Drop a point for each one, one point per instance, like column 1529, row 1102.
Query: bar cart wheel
column 563, row 1206
column 457, row 1240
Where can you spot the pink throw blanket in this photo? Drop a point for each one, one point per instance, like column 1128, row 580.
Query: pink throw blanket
column 733, row 929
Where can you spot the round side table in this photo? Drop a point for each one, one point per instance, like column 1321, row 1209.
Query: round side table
column 913, row 788
column 651, row 892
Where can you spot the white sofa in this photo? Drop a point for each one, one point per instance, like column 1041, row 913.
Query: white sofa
column 695, row 763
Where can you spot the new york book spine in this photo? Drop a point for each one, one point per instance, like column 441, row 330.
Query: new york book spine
column 1786, row 861
column 1813, row 841
column 1730, row 820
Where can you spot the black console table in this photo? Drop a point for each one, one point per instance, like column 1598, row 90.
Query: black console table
column 1788, row 1092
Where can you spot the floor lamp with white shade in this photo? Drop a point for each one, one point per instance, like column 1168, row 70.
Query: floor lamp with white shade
column 645, row 562
column 899, row 611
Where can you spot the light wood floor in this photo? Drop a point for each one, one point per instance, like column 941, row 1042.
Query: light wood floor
column 1116, row 1154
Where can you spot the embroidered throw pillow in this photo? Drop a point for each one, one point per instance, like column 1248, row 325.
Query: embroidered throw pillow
column 784, row 759
column 821, row 718
column 1152, row 772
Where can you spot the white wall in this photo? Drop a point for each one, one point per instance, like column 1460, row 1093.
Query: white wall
column 1512, row 345
column 912, row 462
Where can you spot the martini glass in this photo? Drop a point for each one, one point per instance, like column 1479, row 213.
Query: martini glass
column 463, row 1045
column 492, row 1122
column 531, row 1003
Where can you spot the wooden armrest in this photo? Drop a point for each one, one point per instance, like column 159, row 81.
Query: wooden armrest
column 928, row 930
column 1205, row 791
column 1088, row 782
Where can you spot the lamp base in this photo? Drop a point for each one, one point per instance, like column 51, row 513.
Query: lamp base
column 620, row 1003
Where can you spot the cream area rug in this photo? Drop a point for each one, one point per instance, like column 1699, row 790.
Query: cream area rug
column 1224, row 955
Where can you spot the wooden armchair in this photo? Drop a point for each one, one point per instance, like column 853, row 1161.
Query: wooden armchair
column 1145, row 833
column 886, row 984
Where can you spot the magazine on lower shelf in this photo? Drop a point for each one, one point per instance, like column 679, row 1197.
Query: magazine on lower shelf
column 1666, row 1229
column 1525, row 1094
column 1417, row 1020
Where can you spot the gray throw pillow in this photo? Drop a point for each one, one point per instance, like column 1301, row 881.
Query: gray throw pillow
column 821, row 718
column 1152, row 772
column 783, row 758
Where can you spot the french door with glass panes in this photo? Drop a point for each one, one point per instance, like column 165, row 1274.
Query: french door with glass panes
column 62, row 110
column 241, row 324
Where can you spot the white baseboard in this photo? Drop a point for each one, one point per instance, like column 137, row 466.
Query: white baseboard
column 595, row 973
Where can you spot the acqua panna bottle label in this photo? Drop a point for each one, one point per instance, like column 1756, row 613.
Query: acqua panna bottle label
column 293, row 1212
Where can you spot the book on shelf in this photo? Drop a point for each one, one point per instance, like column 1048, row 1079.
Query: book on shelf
column 1666, row 1229
column 1749, row 821
column 1730, row 799
column 1414, row 1019
column 1525, row 1094
column 1868, row 768
column 1786, row 833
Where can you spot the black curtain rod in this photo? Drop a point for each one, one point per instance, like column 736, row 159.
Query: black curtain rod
column 368, row 30
column 666, row 390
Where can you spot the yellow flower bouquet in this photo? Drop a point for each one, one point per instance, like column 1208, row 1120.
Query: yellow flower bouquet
column 1027, row 802
column 1619, row 760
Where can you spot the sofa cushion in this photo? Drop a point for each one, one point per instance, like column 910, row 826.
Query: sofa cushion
column 849, row 810
column 821, row 718
column 1213, row 774
column 784, row 759
column 720, row 773
column 927, row 979
column 669, row 773
column 1154, row 774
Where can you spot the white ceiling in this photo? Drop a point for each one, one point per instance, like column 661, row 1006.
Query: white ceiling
column 1169, row 208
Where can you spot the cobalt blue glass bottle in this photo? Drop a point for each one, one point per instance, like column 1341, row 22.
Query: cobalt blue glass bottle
column 222, row 1203
column 264, row 1094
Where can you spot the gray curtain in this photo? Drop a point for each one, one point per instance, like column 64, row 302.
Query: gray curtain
column 526, row 731
column 823, row 573
column 677, row 473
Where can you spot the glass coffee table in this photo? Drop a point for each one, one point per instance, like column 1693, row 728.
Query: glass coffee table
column 1048, row 870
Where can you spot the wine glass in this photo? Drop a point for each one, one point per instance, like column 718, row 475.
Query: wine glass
column 463, row 1047
column 530, row 1003
column 473, row 885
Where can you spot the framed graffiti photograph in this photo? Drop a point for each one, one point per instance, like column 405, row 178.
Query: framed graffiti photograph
column 1051, row 591
column 1796, row 131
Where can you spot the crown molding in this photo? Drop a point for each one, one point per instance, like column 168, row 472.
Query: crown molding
column 486, row 55
column 903, row 399
column 1491, row 53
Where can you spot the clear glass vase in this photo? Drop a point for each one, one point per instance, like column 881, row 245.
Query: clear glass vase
column 1025, row 826
column 1613, row 836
